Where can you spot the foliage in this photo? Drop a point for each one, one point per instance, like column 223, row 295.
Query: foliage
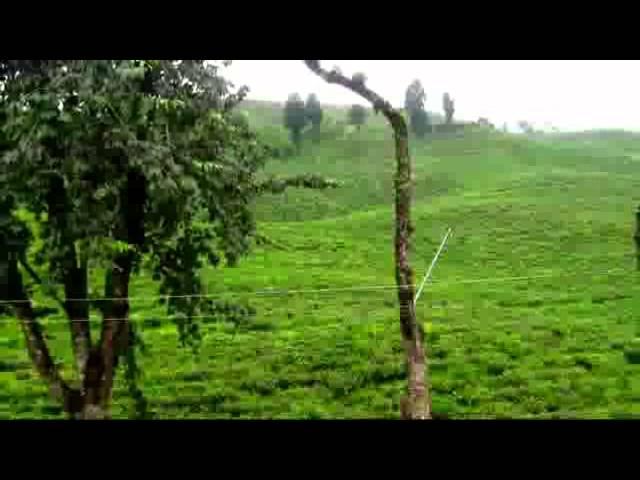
column 295, row 117
column 357, row 115
column 279, row 185
column 84, row 130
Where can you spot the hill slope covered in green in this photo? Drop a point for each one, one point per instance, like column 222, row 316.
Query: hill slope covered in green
column 530, row 314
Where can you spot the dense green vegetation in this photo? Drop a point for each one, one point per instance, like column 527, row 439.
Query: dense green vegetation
column 562, row 343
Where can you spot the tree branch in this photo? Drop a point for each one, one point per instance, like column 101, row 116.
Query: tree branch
column 279, row 185
column 36, row 278
column 357, row 85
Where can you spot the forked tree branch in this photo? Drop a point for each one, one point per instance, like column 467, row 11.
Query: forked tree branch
column 356, row 85
column 279, row 185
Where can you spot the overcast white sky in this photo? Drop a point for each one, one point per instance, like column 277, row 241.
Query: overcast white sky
column 569, row 94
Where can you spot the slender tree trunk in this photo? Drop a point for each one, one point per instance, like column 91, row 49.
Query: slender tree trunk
column 417, row 404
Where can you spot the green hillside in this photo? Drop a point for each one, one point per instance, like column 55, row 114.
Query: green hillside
column 531, row 312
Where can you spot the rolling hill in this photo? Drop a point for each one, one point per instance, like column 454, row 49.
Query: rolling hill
column 532, row 311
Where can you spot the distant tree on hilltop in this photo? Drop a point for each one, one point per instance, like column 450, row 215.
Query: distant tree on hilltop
column 525, row 126
column 313, row 112
column 295, row 117
column 414, row 97
column 414, row 105
column 449, row 108
column 357, row 115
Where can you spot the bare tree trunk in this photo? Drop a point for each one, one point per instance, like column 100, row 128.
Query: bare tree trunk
column 417, row 404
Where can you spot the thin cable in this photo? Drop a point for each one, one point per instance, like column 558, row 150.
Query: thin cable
column 265, row 292
column 328, row 290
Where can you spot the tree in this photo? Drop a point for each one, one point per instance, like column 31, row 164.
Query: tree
column 124, row 165
column 526, row 127
column 414, row 97
column 417, row 404
column 357, row 115
column 295, row 118
column 313, row 111
column 449, row 108
column 420, row 123
column 414, row 106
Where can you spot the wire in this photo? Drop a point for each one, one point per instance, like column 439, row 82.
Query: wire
column 285, row 292
column 220, row 294
column 402, row 309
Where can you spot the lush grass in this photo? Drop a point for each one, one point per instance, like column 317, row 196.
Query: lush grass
column 564, row 343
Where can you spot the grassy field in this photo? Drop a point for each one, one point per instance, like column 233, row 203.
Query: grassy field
column 531, row 312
